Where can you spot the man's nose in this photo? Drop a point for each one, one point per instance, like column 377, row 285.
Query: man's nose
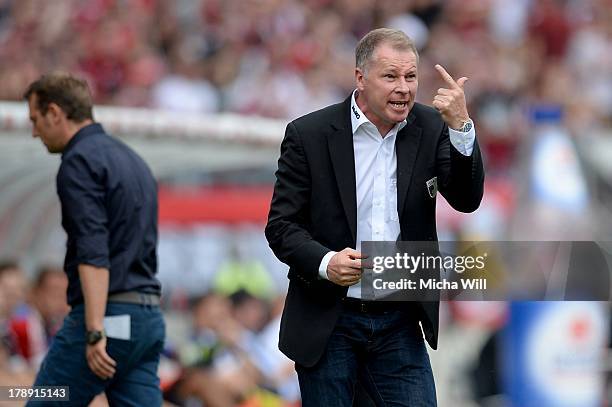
column 402, row 86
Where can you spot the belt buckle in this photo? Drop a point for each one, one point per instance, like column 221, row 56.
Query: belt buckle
column 363, row 307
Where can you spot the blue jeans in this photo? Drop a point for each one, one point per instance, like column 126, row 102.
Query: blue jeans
column 135, row 382
column 385, row 352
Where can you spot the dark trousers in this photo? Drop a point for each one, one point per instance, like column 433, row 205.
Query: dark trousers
column 135, row 382
column 384, row 352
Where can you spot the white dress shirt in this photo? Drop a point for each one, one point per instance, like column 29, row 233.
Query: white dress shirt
column 376, row 178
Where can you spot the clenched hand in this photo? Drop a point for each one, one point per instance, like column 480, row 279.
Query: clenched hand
column 344, row 267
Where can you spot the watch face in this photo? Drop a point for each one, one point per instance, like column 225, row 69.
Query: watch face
column 467, row 127
column 93, row 337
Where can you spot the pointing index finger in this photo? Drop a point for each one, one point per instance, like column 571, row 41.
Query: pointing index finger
column 446, row 76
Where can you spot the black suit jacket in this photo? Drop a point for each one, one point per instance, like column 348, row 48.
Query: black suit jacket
column 314, row 210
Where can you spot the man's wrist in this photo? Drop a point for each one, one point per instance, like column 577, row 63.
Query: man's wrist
column 94, row 336
column 95, row 326
column 460, row 124
column 324, row 263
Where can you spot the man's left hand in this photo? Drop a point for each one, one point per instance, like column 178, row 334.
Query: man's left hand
column 450, row 102
column 99, row 361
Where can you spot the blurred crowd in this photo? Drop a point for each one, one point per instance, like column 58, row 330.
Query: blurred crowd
column 230, row 356
column 30, row 315
column 221, row 348
column 283, row 58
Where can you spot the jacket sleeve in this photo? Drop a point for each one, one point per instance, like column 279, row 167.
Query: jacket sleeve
column 288, row 227
column 461, row 178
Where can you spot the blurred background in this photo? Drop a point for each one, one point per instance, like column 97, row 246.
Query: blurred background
column 203, row 90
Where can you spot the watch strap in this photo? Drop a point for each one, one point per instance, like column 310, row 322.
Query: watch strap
column 93, row 337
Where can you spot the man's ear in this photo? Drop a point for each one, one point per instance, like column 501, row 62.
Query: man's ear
column 359, row 79
column 55, row 113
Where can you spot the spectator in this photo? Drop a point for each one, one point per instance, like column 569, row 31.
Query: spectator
column 49, row 298
column 25, row 331
column 217, row 372
column 13, row 366
column 14, row 287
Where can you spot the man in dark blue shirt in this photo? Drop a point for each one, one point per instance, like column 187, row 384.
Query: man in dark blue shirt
column 113, row 336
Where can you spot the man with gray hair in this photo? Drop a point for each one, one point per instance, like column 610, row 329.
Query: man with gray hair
column 367, row 169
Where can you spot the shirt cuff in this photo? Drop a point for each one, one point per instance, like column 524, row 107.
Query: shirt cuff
column 324, row 263
column 463, row 142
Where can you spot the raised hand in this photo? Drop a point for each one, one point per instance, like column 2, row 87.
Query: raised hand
column 450, row 102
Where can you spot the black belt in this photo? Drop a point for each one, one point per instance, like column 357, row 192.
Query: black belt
column 134, row 297
column 373, row 307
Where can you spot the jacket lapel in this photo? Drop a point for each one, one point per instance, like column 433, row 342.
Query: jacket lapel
column 340, row 143
column 406, row 148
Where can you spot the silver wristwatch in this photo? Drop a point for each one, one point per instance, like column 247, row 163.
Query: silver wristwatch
column 466, row 126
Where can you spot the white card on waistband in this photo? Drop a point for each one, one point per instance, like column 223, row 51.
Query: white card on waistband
column 117, row 326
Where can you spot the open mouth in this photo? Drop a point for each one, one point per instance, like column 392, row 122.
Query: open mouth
column 399, row 105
